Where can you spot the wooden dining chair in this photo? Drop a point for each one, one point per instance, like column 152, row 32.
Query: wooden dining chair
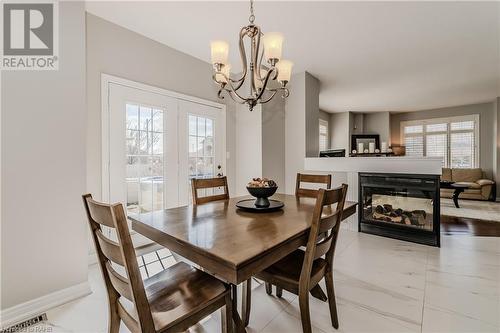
column 170, row 301
column 315, row 179
column 301, row 271
column 205, row 183
column 309, row 193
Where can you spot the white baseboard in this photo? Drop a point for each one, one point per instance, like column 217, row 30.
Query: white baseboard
column 23, row 311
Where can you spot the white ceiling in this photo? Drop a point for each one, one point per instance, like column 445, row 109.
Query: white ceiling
column 369, row 56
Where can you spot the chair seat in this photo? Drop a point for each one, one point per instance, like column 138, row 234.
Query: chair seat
column 286, row 272
column 177, row 293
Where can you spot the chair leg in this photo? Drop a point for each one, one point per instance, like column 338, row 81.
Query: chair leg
column 305, row 316
column 269, row 288
column 227, row 315
column 114, row 320
column 279, row 292
column 331, row 299
column 246, row 301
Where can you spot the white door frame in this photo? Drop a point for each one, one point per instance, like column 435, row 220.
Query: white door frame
column 106, row 80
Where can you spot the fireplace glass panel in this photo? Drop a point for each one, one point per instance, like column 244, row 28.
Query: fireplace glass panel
column 406, row 207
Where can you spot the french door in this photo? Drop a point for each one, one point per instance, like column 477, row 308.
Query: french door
column 155, row 144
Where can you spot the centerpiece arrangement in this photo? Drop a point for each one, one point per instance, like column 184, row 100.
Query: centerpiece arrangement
column 261, row 189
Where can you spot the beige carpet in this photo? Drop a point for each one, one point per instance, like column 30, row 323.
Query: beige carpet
column 483, row 210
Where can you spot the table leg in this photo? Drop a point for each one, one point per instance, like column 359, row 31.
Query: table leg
column 239, row 327
column 456, row 193
column 246, row 301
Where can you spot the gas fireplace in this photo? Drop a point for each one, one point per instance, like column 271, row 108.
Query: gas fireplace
column 402, row 206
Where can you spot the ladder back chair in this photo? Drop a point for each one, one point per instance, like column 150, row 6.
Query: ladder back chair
column 301, row 271
column 315, row 179
column 170, row 301
column 206, row 183
column 309, row 193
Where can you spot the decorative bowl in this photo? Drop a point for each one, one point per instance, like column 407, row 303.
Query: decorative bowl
column 262, row 194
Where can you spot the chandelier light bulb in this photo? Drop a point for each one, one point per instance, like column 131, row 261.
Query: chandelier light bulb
column 219, row 51
column 273, row 44
column 284, row 70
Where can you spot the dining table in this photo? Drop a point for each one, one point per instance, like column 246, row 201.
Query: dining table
column 230, row 243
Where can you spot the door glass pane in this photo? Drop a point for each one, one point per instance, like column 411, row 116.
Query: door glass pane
column 132, row 117
column 209, row 127
column 201, row 143
column 157, row 143
column 201, row 126
column 193, row 144
column 208, row 148
column 145, row 163
column 145, row 120
column 157, row 120
column 144, row 142
column 192, row 125
column 132, row 142
column 201, row 150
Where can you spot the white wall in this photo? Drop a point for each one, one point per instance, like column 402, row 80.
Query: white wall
column 295, row 132
column 248, row 146
column 340, row 132
column 312, row 115
column 378, row 123
column 273, row 141
column 44, row 228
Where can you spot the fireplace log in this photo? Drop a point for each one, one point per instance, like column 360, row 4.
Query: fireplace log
column 388, row 214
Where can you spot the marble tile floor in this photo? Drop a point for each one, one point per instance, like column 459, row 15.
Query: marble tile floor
column 382, row 285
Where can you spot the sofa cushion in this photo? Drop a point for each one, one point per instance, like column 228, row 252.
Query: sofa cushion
column 446, row 174
column 466, row 175
column 484, row 182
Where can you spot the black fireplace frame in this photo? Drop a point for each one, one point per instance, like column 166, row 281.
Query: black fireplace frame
column 401, row 232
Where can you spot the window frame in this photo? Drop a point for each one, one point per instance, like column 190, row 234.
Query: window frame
column 448, row 121
column 325, row 123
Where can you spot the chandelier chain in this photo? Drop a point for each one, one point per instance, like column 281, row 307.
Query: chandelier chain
column 251, row 18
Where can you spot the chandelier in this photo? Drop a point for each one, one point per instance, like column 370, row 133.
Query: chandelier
column 276, row 72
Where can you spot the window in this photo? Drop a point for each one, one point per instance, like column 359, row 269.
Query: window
column 455, row 140
column 323, row 135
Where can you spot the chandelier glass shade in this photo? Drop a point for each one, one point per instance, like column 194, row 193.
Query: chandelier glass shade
column 263, row 67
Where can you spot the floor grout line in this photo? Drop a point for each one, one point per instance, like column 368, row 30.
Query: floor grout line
column 425, row 289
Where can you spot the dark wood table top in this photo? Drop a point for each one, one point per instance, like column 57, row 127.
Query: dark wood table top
column 228, row 242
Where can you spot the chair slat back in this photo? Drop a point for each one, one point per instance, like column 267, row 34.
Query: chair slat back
column 109, row 248
column 120, row 283
column 204, row 183
column 326, row 221
column 315, row 179
column 121, row 253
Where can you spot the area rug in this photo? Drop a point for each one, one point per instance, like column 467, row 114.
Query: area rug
column 482, row 210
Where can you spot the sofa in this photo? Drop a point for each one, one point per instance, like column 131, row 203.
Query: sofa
column 480, row 188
